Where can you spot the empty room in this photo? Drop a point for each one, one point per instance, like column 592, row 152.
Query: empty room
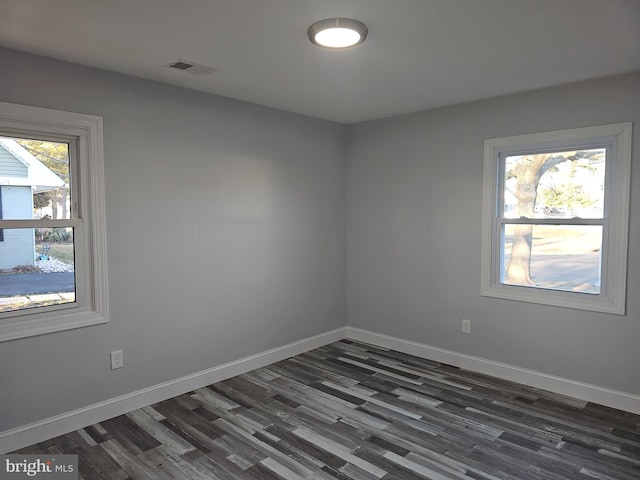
column 292, row 239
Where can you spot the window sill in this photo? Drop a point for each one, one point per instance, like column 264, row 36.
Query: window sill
column 575, row 300
column 42, row 323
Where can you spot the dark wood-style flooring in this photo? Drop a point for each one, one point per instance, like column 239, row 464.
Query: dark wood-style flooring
column 354, row 411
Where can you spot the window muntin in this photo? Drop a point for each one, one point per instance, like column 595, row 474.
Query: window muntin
column 84, row 212
column 569, row 226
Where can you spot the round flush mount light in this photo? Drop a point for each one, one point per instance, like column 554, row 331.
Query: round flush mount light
column 337, row 33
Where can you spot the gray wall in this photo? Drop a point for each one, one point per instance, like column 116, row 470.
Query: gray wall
column 414, row 220
column 226, row 236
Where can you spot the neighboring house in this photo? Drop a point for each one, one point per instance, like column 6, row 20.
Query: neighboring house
column 21, row 175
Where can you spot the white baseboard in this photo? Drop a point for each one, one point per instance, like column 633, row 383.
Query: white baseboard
column 563, row 386
column 26, row 435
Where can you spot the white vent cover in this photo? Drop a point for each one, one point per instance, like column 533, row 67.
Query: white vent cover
column 191, row 67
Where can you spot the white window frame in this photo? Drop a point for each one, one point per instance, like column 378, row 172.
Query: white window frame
column 612, row 297
column 91, row 303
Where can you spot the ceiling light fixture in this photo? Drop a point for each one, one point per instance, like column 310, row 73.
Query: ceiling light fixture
column 337, row 33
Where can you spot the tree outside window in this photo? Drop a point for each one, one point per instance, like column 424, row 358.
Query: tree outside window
column 556, row 186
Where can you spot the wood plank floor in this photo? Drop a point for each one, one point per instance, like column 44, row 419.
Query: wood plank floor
column 354, row 411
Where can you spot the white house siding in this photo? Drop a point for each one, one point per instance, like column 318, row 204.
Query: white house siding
column 18, row 246
column 10, row 166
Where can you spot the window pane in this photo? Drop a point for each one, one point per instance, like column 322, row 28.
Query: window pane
column 555, row 184
column 36, row 268
column 562, row 257
column 34, row 175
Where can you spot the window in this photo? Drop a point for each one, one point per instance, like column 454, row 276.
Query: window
column 52, row 257
column 555, row 217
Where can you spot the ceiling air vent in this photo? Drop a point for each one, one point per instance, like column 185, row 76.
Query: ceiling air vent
column 191, row 67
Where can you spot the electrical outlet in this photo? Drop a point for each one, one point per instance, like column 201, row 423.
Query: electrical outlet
column 117, row 360
column 466, row 326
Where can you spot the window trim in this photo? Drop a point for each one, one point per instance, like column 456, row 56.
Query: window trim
column 91, row 306
column 612, row 298
column 1, row 231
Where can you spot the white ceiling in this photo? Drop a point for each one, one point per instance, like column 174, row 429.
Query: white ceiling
column 420, row 54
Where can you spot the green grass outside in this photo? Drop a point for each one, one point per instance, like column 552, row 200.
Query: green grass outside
column 59, row 251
